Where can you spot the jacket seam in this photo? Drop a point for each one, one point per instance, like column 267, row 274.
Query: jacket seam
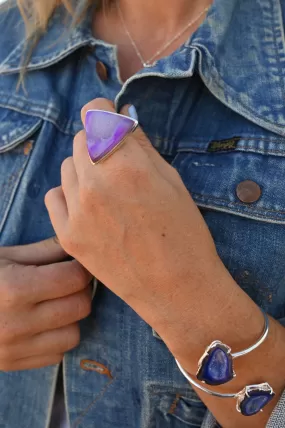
column 90, row 405
column 229, row 203
column 40, row 116
column 238, row 149
column 13, row 194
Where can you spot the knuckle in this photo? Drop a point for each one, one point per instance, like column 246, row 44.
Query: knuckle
column 6, row 353
column 79, row 276
column 48, row 197
column 79, row 137
column 6, row 366
column 83, row 305
column 87, row 195
column 7, row 335
column 127, row 173
column 9, row 294
column 65, row 165
column 72, row 337
column 56, row 359
column 139, row 176
column 66, row 240
column 96, row 104
column 68, row 244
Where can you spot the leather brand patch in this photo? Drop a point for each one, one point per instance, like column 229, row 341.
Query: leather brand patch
column 223, row 145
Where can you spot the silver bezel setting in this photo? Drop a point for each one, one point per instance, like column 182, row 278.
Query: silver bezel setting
column 250, row 388
column 207, row 353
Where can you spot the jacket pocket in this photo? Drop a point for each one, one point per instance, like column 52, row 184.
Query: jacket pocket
column 172, row 405
column 249, row 232
column 213, row 180
column 17, row 139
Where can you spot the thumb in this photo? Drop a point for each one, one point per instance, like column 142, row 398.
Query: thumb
column 139, row 135
column 142, row 139
column 41, row 253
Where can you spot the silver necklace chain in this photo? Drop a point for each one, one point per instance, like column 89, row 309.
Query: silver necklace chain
column 151, row 61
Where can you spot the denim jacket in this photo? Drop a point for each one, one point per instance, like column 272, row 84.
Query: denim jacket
column 215, row 109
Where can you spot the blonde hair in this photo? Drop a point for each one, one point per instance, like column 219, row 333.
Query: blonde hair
column 37, row 13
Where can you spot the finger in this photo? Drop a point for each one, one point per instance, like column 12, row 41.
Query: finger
column 62, row 279
column 31, row 363
column 20, row 285
column 69, row 183
column 97, row 104
column 53, row 342
column 61, row 312
column 40, row 253
column 57, row 209
column 59, row 280
column 142, row 139
column 83, row 166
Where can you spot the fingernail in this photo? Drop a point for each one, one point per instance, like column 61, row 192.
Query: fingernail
column 133, row 112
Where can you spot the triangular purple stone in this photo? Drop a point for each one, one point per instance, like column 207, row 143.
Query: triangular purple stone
column 105, row 130
column 217, row 367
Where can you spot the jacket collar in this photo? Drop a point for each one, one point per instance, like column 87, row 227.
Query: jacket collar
column 52, row 47
column 241, row 55
column 242, row 58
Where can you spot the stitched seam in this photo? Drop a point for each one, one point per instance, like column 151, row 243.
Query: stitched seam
column 229, row 203
column 231, row 91
column 30, row 131
column 49, row 61
column 242, row 138
column 274, row 29
column 18, row 98
column 100, row 395
column 174, row 404
column 253, row 149
column 244, row 214
column 12, row 53
column 48, row 119
column 13, row 193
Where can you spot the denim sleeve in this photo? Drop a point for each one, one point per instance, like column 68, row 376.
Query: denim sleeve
column 276, row 420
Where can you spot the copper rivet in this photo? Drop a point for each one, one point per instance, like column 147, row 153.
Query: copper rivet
column 101, row 70
column 248, row 191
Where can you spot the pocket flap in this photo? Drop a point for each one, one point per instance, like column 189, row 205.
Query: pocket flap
column 15, row 128
column 213, row 179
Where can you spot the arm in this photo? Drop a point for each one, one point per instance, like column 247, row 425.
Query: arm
column 164, row 263
column 236, row 321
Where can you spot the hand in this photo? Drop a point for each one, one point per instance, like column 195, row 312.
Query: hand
column 41, row 299
column 132, row 223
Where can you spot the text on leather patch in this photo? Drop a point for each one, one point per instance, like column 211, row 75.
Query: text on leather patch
column 223, row 145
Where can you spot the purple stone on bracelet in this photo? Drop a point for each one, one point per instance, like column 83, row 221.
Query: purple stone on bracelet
column 216, row 365
column 105, row 131
column 253, row 398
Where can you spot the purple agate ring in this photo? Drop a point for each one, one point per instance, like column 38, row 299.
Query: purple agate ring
column 106, row 131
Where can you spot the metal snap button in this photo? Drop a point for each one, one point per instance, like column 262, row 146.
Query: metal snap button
column 101, row 70
column 248, row 191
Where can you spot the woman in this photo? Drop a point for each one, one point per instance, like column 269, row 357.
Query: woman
column 206, row 83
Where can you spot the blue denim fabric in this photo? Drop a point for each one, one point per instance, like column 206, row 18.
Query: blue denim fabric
column 226, row 83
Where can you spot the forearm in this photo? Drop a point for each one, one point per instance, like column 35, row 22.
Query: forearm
column 220, row 310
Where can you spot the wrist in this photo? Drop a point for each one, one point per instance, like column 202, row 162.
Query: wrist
column 219, row 310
